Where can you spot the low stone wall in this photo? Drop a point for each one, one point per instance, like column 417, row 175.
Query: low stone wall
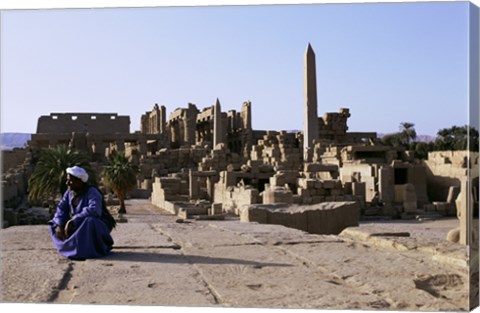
column 167, row 190
column 322, row 218
column 233, row 198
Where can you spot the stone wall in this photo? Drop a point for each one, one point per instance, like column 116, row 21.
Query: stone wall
column 279, row 149
column 448, row 168
column 94, row 123
column 167, row 190
column 14, row 195
column 13, row 158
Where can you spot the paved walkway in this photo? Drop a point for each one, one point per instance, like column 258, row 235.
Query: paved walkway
column 159, row 260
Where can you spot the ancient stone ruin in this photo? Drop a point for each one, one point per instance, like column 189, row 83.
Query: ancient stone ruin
column 213, row 164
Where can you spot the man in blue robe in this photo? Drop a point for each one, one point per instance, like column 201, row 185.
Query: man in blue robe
column 78, row 228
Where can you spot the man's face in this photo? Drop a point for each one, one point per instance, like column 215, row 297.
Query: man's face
column 74, row 183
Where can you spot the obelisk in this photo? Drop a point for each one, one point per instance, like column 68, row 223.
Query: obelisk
column 217, row 124
column 310, row 133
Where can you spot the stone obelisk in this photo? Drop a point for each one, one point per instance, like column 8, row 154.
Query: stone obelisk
column 217, row 124
column 310, row 133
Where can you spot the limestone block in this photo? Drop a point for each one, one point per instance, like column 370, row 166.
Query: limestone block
column 307, row 200
column 329, row 184
column 297, row 220
column 277, row 195
column 347, row 187
column 278, row 180
column 335, row 192
column 303, row 192
column 358, row 189
column 410, row 206
column 253, row 214
column 216, row 208
column 318, row 199
column 297, row 199
column 332, row 218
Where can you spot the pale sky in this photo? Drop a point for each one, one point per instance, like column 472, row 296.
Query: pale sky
column 387, row 62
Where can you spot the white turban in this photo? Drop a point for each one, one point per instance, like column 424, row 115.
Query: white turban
column 78, row 172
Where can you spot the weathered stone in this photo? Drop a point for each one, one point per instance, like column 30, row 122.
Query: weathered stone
column 323, row 218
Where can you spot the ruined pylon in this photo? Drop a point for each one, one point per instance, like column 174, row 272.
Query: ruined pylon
column 217, row 124
column 310, row 133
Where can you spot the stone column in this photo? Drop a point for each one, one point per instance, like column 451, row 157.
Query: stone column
column 385, row 184
column 246, row 116
column 464, row 204
column 311, row 116
column 163, row 118
column 193, row 185
column 190, row 124
column 210, row 187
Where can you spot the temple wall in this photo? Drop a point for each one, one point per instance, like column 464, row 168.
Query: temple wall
column 94, row 123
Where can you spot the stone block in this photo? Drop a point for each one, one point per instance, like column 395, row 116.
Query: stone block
column 409, row 194
column 335, row 192
column 329, row 184
column 253, row 214
column 297, row 220
column 358, row 189
column 347, row 187
column 332, row 218
column 216, row 208
column 410, row 206
column 307, row 200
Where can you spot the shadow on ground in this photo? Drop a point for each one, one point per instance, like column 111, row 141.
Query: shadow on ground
column 142, row 256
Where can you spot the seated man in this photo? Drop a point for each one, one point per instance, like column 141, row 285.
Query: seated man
column 79, row 227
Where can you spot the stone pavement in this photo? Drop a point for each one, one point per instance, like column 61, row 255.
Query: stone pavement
column 160, row 260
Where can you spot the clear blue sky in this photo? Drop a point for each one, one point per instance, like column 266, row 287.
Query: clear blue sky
column 388, row 63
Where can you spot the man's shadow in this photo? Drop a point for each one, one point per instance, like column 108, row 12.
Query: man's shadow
column 155, row 257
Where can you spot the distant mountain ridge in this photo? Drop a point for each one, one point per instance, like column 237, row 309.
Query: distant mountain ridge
column 9, row 141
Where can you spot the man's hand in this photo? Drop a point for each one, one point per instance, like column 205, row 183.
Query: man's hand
column 59, row 233
column 69, row 229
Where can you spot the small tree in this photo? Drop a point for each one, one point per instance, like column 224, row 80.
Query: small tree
column 120, row 175
column 49, row 177
column 407, row 133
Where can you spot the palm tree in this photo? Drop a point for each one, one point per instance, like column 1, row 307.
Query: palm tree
column 120, row 175
column 49, row 176
column 407, row 132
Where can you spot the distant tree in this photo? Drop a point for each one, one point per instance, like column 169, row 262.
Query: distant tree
column 457, row 138
column 407, row 133
column 393, row 140
column 421, row 149
column 120, row 175
column 49, row 176
column 403, row 138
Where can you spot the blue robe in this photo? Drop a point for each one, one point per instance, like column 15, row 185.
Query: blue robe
column 91, row 238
